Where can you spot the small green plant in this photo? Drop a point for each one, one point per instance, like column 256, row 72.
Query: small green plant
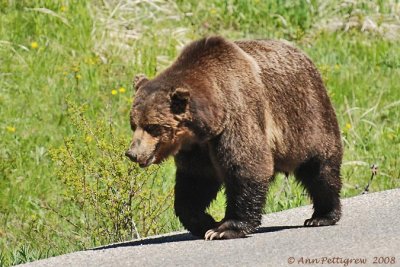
column 22, row 254
column 117, row 200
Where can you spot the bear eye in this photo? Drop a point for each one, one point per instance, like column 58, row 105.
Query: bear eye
column 153, row 129
column 133, row 127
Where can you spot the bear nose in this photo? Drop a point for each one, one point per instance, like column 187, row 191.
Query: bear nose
column 131, row 155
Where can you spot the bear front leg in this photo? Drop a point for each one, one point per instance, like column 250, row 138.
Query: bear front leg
column 196, row 186
column 245, row 202
column 248, row 168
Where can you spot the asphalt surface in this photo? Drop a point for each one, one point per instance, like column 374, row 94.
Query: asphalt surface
column 368, row 234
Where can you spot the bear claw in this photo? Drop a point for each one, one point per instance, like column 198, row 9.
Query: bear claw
column 215, row 234
column 211, row 234
column 319, row 221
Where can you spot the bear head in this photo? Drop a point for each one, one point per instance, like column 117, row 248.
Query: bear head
column 159, row 120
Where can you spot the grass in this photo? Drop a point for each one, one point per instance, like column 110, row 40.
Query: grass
column 51, row 51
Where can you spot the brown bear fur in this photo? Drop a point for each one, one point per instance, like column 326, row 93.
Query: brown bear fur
column 234, row 114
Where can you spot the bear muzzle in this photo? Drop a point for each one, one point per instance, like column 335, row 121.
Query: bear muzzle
column 142, row 161
column 132, row 156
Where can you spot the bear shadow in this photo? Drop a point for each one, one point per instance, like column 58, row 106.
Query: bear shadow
column 181, row 237
column 271, row 229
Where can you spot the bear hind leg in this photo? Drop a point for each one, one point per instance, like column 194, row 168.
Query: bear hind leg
column 321, row 178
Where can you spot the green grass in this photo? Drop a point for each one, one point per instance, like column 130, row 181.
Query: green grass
column 86, row 49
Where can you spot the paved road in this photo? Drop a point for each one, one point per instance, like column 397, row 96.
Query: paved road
column 369, row 231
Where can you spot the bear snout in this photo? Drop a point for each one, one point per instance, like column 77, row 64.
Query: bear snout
column 132, row 156
column 143, row 161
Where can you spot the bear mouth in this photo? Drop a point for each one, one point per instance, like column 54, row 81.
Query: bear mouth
column 148, row 162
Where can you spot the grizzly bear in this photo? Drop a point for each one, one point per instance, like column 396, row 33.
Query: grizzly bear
column 235, row 114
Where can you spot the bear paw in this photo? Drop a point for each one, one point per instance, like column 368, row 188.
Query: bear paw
column 228, row 229
column 319, row 221
column 214, row 234
column 326, row 219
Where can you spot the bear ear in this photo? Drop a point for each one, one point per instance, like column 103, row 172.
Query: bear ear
column 139, row 81
column 179, row 100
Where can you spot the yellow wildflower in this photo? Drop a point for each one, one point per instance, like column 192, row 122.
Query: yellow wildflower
column 213, row 11
column 114, row 92
column 90, row 60
column 348, row 126
column 11, row 129
column 63, row 8
column 34, row 45
column 88, row 139
column 122, row 90
column 78, row 76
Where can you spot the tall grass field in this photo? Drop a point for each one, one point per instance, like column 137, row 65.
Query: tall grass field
column 66, row 71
